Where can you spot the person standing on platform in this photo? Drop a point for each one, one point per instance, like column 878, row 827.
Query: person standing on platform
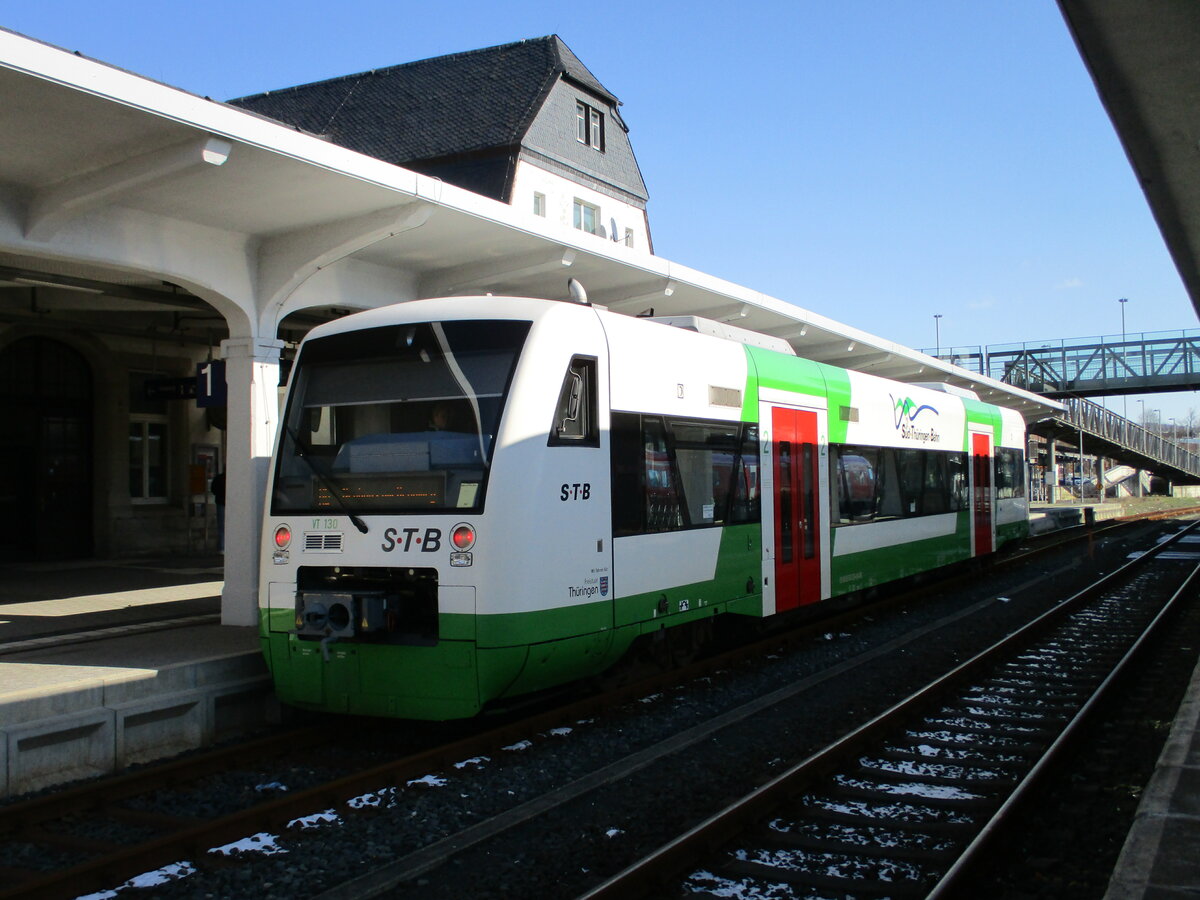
column 218, row 491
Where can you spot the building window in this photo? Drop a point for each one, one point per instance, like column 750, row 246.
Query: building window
column 147, row 459
column 589, row 126
column 539, row 204
column 148, row 442
column 587, row 217
column 628, row 237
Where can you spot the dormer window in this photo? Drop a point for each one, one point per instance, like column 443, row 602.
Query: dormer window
column 589, row 126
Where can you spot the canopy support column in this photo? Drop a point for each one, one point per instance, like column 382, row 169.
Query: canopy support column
column 252, row 376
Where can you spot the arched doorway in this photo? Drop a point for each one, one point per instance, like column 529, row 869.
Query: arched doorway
column 45, row 451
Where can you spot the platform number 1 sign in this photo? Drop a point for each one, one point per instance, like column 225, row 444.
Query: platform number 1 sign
column 210, row 383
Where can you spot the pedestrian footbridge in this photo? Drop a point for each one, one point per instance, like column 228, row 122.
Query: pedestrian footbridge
column 1101, row 432
column 1142, row 363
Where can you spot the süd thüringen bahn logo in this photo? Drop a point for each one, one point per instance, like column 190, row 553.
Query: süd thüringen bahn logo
column 906, row 410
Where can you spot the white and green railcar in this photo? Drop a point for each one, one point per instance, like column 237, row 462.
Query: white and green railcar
column 477, row 498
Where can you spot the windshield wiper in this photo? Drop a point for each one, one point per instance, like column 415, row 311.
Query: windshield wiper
column 302, row 451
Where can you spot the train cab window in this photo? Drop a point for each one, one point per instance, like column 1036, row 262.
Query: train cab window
column 400, row 418
column 575, row 419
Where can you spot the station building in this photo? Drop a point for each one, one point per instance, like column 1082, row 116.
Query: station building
column 108, row 449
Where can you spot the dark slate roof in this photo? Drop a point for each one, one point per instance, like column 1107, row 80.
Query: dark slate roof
column 446, row 106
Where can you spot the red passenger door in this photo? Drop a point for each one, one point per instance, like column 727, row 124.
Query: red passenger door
column 797, row 506
column 981, row 492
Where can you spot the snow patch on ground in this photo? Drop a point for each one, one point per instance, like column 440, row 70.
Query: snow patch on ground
column 264, row 843
column 165, row 875
column 372, row 798
column 475, row 762
column 705, row 882
column 316, row 820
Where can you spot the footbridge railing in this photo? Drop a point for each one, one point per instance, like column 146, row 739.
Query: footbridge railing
column 1090, row 366
column 1123, row 440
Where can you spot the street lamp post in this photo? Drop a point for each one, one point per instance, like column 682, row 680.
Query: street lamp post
column 937, row 334
column 1124, row 400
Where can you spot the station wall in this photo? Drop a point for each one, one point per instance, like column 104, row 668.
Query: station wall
column 89, row 466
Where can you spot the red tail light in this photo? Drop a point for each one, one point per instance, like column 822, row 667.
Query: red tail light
column 462, row 537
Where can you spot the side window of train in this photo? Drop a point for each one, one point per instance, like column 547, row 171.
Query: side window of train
column 645, row 497
column 957, row 471
column 1010, row 473
column 575, row 419
column 625, row 443
column 856, row 484
column 670, row 475
column 664, row 512
column 872, row 483
column 706, row 457
column 744, row 503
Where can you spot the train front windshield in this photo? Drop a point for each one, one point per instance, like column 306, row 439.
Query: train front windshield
column 396, row 419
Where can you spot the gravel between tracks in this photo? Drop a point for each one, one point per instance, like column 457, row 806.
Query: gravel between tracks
column 596, row 835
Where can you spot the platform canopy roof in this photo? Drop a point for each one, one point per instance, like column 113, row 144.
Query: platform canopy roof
column 82, row 134
column 1145, row 61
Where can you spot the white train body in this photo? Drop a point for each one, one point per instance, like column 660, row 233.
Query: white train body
column 592, row 478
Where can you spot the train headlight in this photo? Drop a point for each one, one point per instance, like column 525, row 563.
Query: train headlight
column 462, row 537
column 283, row 537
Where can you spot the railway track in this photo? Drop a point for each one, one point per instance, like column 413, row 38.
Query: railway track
column 174, row 838
column 909, row 804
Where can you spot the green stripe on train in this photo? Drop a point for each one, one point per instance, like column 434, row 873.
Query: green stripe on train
column 980, row 413
column 855, row 571
column 483, row 657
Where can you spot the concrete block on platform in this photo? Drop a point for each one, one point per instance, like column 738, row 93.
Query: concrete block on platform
column 1052, row 519
column 64, row 748
column 161, row 726
column 49, row 701
column 73, row 712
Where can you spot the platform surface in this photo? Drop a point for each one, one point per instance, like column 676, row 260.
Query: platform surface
column 106, row 663
column 1161, row 856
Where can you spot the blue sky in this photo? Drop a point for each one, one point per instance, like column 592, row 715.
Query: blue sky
column 879, row 163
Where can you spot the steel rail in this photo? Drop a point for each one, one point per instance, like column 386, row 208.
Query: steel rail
column 651, row 875
column 954, row 878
